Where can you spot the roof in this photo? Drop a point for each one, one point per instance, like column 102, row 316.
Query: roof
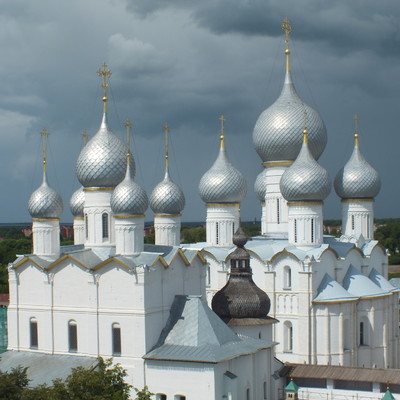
column 44, row 368
column 331, row 291
column 340, row 373
column 195, row 333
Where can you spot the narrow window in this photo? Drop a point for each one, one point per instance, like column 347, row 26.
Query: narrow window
column 233, row 228
column 295, row 230
column 248, row 394
column 217, row 232
column 265, row 390
column 161, row 396
column 367, row 225
column 33, row 326
column 278, row 211
column 312, row 231
column 362, row 334
column 104, row 220
column 116, row 340
column 287, row 277
column 352, row 223
column 208, row 275
column 288, row 336
column 179, row 397
column 72, row 336
column 86, row 226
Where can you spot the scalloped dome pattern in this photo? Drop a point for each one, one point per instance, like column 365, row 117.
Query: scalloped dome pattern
column 129, row 198
column 357, row 179
column 305, row 179
column 222, row 183
column 260, row 185
column 167, row 197
column 275, row 135
column 45, row 202
column 102, row 162
column 77, row 202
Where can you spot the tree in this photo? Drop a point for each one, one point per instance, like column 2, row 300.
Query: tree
column 143, row 394
column 13, row 384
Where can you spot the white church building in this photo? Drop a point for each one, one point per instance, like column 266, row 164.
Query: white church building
column 205, row 320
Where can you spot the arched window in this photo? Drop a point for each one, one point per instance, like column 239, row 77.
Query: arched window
column 265, row 389
column 288, row 336
column 104, row 221
column 116, row 340
column 72, row 336
column 363, row 332
column 179, row 397
column 248, row 394
column 33, row 328
column 287, row 277
column 161, row 396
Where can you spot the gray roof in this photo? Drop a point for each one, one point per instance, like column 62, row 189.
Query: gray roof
column 195, row 333
column 44, row 368
column 330, row 290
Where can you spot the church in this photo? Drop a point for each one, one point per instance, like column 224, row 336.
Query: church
column 206, row 320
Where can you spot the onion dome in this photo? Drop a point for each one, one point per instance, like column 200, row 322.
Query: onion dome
column 305, row 179
column 102, row 162
column 240, row 297
column 275, row 135
column 357, row 179
column 222, row 183
column 77, row 202
column 45, row 202
column 128, row 198
column 260, row 185
column 167, row 197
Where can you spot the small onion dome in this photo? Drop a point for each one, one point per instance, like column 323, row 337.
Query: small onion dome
column 240, row 297
column 260, row 185
column 222, row 183
column 102, row 162
column 167, row 197
column 128, row 198
column 45, row 202
column 357, row 179
column 77, row 202
column 275, row 135
column 305, row 179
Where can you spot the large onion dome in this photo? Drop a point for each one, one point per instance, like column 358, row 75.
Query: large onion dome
column 275, row 135
column 77, row 202
column 260, row 185
column 128, row 198
column 305, row 179
column 102, row 162
column 240, row 297
column 45, row 202
column 222, row 183
column 357, row 179
column 167, row 197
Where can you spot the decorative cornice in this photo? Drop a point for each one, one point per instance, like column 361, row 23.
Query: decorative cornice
column 214, row 205
column 129, row 216
column 98, row 189
column 358, row 200
column 167, row 215
column 277, row 163
column 45, row 219
column 305, row 203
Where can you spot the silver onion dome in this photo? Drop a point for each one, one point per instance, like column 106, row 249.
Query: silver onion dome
column 357, row 179
column 275, row 135
column 45, row 202
column 260, row 185
column 77, row 202
column 222, row 183
column 102, row 162
column 305, row 179
column 167, row 197
column 128, row 198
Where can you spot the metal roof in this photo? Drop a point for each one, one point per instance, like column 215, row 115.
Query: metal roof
column 44, row 368
column 195, row 333
column 331, row 291
column 340, row 373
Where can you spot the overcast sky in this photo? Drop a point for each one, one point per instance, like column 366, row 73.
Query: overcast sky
column 187, row 62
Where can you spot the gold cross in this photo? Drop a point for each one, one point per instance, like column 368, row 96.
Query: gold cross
column 104, row 73
column 85, row 136
column 44, row 134
column 166, row 130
